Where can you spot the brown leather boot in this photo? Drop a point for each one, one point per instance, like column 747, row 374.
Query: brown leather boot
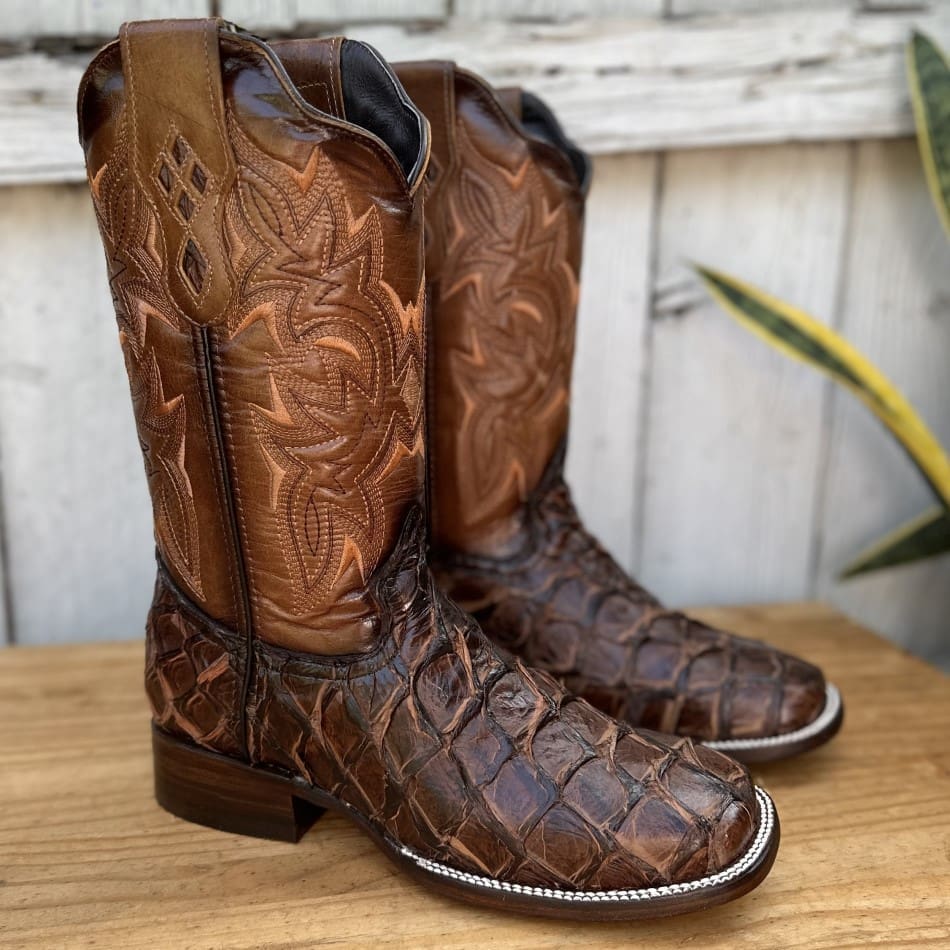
column 266, row 261
column 504, row 222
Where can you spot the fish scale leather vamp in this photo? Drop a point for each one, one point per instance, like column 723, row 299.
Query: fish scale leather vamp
column 462, row 755
column 567, row 607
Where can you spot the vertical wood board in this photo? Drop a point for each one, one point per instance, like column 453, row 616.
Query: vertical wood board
column 734, row 428
column 896, row 310
column 77, row 518
column 5, row 632
column 610, row 357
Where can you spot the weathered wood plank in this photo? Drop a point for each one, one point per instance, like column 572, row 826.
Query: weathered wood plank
column 735, row 428
column 618, row 85
column 556, row 9
column 720, row 7
column 91, row 17
column 622, row 85
column 77, row 520
column 38, row 139
column 89, row 859
column 896, row 309
column 288, row 15
column 5, row 632
column 888, row 5
column 609, row 360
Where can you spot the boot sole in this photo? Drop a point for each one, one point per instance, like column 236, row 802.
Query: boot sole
column 225, row 793
column 772, row 748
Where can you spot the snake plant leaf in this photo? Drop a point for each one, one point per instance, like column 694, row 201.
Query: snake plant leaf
column 795, row 332
column 924, row 537
column 929, row 76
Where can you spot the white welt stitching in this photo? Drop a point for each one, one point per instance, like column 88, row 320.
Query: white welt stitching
column 825, row 718
column 752, row 855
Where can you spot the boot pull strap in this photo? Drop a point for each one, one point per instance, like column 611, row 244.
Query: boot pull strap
column 510, row 98
column 314, row 68
column 431, row 86
column 181, row 152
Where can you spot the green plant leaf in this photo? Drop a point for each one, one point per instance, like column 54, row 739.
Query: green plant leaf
column 926, row 536
column 928, row 74
column 795, row 332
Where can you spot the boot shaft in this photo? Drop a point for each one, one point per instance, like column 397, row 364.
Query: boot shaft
column 504, row 221
column 267, row 272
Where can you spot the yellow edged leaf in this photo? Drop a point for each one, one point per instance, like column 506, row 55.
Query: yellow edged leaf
column 928, row 75
column 924, row 537
column 795, row 332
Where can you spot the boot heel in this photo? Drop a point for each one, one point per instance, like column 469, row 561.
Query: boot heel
column 227, row 794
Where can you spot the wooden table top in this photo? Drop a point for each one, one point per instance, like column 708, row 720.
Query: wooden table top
column 88, row 859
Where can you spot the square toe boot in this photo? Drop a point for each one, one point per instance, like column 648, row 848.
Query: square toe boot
column 504, row 220
column 264, row 243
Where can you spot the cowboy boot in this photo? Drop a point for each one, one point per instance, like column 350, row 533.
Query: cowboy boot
column 504, row 222
column 264, row 241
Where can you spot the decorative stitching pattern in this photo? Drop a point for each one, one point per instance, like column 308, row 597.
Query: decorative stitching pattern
column 135, row 255
column 507, row 294
column 183, row 184
column 340, row 343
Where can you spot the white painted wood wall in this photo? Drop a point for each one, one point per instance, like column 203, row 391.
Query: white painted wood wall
column 766, row 138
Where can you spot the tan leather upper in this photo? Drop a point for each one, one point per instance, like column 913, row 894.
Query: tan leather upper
column 504, row 227
column 267, row 269
column 175, row 135
column 504, row 214
column 282, row 435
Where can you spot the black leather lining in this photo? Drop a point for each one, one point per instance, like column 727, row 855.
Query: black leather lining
column 538, row 120
column 374, row 99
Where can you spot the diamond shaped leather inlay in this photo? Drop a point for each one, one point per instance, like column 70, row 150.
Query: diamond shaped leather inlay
column 183, row 184
column 198, row 178
column 194, row 265
column 185, row 205
column 179, row 150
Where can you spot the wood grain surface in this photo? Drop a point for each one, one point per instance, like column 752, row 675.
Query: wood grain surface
column 612, row 353
column 88, row 859
column 617, row 84
column 723, row 407
column 75, row 504
column 895, row 308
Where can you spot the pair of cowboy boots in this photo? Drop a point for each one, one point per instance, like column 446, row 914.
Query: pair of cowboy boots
column 261, row 208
